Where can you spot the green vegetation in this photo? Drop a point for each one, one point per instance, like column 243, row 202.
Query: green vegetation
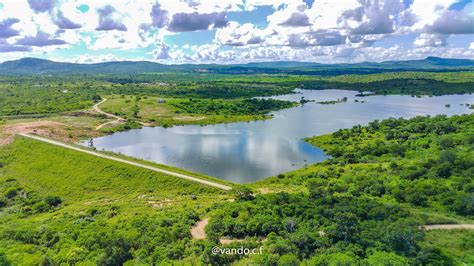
column 246, row 106
column 397, row 86
column 457, row 244
column 42, row 96
column 177, row 111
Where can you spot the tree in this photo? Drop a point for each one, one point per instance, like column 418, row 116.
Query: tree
column 243, row 193
column 386, row 258
column 347, row 226
column 288, row 260
column 432, row 256
column 53, row 201
column 96, row 98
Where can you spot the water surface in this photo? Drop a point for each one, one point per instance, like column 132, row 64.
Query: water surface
column 249, row 151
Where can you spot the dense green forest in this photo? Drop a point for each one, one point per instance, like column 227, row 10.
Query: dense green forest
column 364, row 206
column 246, row 106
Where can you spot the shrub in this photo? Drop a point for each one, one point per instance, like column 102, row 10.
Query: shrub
column 11, row 193
column 243, row 193
column 53, row 201
column 3, row 202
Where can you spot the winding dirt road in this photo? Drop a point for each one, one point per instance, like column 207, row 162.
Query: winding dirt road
column 96, row 108
column 155, row 169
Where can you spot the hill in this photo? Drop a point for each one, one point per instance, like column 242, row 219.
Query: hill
column 35, row 66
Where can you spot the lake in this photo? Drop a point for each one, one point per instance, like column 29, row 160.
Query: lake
column 249, row 151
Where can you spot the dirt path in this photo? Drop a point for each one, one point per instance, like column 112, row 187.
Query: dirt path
column 96, row 108
column 155, row 169
column 448, row 226
column 198, row 230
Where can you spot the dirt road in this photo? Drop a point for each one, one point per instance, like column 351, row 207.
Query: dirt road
column 98, row 110
column 155, row 169
column 448, row 226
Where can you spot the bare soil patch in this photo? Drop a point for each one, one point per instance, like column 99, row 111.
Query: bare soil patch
column 198, row 231
column 44, row 128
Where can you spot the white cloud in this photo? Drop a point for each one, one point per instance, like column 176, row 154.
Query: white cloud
column 430, row 40
column 239, row 35
column 343, row 30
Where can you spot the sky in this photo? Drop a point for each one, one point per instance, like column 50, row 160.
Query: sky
column 236, row 31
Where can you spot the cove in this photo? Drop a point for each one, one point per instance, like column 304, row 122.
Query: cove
column 249, row 151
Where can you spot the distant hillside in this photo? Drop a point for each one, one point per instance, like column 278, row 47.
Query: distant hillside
column 35, row 66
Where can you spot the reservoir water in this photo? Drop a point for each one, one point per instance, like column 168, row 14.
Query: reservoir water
column 249, row 151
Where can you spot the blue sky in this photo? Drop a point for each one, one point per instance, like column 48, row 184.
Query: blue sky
column 235, row 31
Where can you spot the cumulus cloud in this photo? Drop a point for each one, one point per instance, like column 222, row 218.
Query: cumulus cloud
column 375, row 17
column 181, row 22
column 239, row 35
column 108, row 21
column 41, row 39
column 64, row 23
column 453, row 22
column 40, row 6
column 6, row 30
column 318, row 38
column 162, row 52
column 360, row 41
column 297, row 19
column 159, row 16
column 430, row 40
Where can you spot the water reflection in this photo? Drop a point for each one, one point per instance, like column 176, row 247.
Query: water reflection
column 249, row 151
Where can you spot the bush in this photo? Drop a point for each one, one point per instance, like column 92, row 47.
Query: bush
column 463, row 204
column 243, row 193
column 11, row 193
column 3, row 202
column 53, row 201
